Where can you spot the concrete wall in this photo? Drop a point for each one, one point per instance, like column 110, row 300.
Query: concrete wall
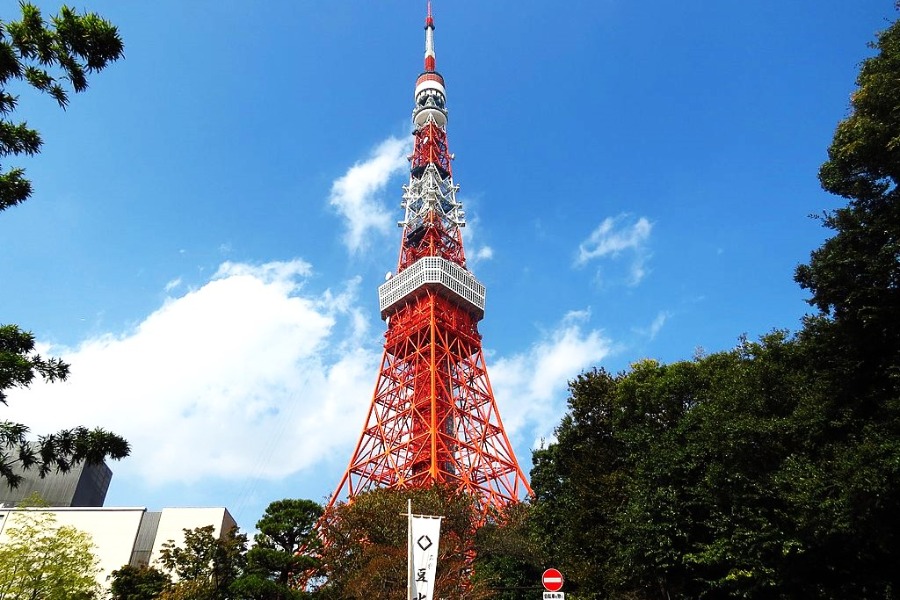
column 83, row 485
column 112, row 530
column 174, row 521
column 125, row 536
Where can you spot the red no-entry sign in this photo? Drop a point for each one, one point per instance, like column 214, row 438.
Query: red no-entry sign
column 552, row 580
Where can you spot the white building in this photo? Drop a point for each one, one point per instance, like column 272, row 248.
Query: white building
column 128, row 536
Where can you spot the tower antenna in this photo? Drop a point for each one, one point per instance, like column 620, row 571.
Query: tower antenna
column 429, row 40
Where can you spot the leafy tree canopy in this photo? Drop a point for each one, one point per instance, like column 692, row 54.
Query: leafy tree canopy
column 39, row 559
column 205, row 565
column 19, row 366
column 365, row 553
column 854, row 277
column 284, row 548
column 53, row 58
column 137, row 583
column 724, row 476
column 509, row 558
column 854, row 341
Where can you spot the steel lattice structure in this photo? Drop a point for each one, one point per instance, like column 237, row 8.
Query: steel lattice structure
column 433, row 417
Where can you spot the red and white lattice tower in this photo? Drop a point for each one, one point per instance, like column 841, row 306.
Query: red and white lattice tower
column 433, row 418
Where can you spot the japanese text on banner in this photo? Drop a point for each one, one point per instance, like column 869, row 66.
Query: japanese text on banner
column 424, row 539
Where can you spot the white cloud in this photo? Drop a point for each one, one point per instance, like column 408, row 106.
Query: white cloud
column 355, row 194
column 244, row 377
column 615, row 236
column 251, row 376
column 530, row 387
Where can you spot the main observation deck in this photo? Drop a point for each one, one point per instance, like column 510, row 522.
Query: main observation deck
column 433, row 272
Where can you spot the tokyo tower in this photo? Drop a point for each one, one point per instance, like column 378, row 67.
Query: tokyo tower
column 433, row 418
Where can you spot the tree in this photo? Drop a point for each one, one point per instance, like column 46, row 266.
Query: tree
column 19, row 366
column 681, row 480
column 286, row 529
column 39, row 560
column 137, row 583
column 854, row 277
column 50, row 58
column 854, row 340
column 577, row 485
column 205, row 566
column 732, row 475
column 771, row 470
column 365, row 553
column 709, row 445
column 509, row 558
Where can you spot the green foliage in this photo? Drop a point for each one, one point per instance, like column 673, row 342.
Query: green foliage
column 854, row 277
column 854, row 280
column 137, row 583
column 39, row 560
column 19, row 366
column 205, row 565
column 59, row 451
column 284, row 547
column 509, row 559
column 718, row 477
column 577, row 484
column 365, row 556
column 703, row 513
column 864, row 157
column 49, row 57
column 769, row 471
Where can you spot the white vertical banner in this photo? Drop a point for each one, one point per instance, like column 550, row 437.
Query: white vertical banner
column 424, row 533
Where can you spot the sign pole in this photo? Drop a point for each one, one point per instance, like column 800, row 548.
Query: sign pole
column 409, row 551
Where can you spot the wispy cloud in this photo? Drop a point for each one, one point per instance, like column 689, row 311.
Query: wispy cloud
column 530, row 386
column 484, row 253
column 616, row 236
column 475, row 251
column 355, row 195
column 656, row 326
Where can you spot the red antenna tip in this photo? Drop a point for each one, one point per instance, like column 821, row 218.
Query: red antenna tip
column 429, row 20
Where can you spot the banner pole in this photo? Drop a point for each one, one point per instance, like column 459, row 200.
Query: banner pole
column 409, row 551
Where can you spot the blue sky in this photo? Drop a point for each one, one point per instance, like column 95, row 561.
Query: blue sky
column 212, row 218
